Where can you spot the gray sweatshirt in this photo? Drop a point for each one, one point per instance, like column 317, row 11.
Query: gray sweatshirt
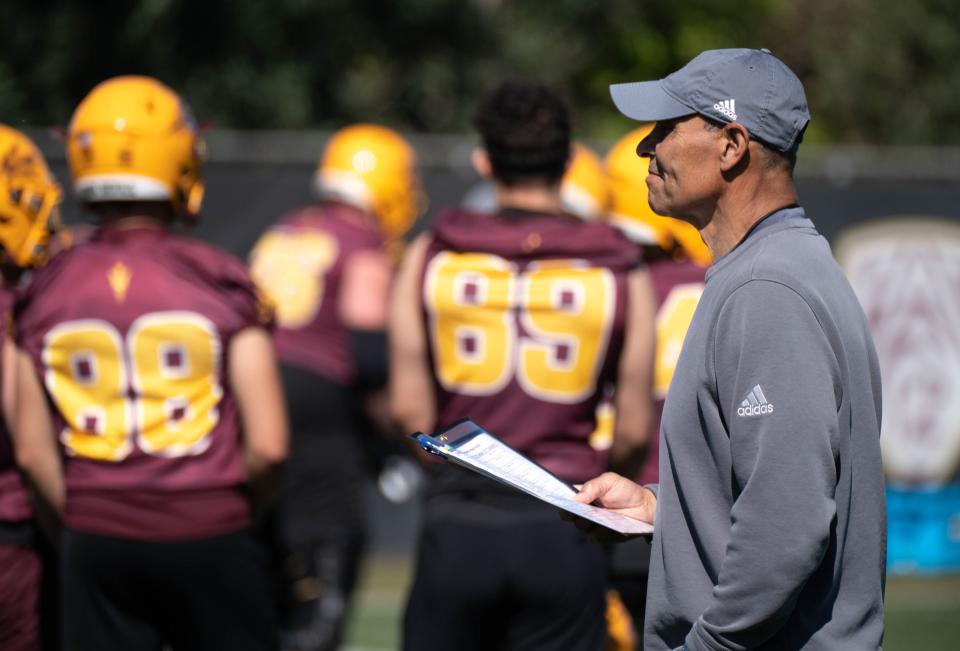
column 770, row 525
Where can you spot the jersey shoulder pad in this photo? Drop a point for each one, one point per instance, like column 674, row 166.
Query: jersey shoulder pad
column 534, row 236
column 224, row 274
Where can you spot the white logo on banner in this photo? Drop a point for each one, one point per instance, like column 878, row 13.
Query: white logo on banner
column 906, row 273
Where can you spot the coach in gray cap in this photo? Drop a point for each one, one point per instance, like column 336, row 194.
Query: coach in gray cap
column 769, row 517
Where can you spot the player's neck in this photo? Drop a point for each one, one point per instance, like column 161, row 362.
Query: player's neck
column 137, row 222
column 544, row 199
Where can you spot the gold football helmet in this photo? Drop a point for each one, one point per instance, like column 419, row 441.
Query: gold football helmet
column 28, row 199
column 373, row 168
column 134, row 139
column 630, row 211
column 584, row 190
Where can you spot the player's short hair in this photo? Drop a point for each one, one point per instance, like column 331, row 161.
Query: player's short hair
column 525, row 128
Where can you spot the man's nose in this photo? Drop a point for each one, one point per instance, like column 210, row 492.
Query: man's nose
column 646, row 146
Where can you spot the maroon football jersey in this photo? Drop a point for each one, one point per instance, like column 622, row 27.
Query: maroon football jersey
column 299, row 263
column 14, row 503
column 130, row 333
column 677, row 286
column 525, row 315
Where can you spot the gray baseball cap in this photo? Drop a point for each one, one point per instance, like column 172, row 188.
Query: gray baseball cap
column 750, row 87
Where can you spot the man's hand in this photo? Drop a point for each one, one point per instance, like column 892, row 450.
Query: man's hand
column 617, row 493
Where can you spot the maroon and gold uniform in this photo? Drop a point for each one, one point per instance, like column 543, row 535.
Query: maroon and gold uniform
column 14, row 502
column 299, row 262
column 29, row 199
column 145, row 350
column 19, row 562
column 678, row 286
column 302, row 263
column 525, row 316
column 128, row 333
column 326, row 268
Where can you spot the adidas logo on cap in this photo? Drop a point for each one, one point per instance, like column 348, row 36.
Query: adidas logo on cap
column 755, row 404
column 727, row 107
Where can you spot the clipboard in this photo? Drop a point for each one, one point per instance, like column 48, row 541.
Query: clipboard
column 471, row 446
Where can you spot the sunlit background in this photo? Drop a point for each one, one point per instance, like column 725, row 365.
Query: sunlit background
column 879, row 172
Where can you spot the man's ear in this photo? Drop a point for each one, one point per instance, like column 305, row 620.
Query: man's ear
column 481, row 162
column 735, row 142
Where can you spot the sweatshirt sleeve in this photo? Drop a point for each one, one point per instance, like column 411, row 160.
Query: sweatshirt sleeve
column 778, row 385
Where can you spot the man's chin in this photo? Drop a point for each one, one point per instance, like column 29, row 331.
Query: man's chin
column 657, row 207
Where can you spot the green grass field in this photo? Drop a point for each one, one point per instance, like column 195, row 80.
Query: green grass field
column 375, row 624
column 922, row 613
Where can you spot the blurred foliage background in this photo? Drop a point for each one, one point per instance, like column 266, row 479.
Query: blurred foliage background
column 876, row 71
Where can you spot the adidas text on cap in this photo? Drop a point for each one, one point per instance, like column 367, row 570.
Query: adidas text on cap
column 750, row 87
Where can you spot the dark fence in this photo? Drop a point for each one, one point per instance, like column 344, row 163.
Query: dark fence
column 252, row 177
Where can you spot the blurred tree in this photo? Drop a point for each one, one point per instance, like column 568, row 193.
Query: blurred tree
column 877, row 71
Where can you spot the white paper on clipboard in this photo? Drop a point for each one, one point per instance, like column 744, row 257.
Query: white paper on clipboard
column 469, row 445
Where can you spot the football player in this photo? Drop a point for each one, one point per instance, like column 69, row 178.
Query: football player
column 583, row 189
column 328, row 269
column 517, row 318
column 28, row 202
column 677, row 259
column 153, row 354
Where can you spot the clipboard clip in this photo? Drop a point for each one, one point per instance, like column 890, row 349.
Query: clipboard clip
column 432, row 451
column 427, row 446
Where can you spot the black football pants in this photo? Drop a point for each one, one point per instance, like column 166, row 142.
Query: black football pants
column 537, row 585
column 319, row 522
column 212, row 594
